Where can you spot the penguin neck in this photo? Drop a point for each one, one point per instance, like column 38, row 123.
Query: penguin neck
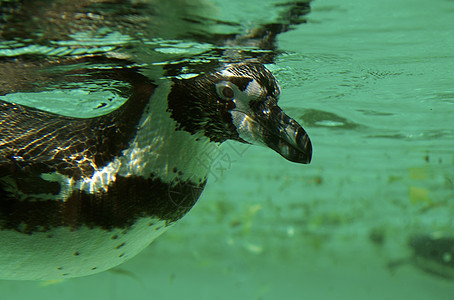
column 160, row 149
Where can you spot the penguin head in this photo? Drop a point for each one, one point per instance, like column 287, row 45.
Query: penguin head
column 239, row 102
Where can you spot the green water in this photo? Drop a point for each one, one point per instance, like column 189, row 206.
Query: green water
column 373, row 84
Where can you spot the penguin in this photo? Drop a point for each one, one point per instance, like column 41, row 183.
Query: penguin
column 88, row 193
column 81, row 195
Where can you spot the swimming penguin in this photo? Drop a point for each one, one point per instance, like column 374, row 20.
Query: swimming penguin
column 87, row 194
column 80, row 195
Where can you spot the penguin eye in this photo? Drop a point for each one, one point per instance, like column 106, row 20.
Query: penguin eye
column 227, row 92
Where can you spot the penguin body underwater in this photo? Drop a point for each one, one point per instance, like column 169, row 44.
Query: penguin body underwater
column 82, row 195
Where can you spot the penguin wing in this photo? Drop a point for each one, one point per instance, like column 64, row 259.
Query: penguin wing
column 36, row 141
column 32, row 140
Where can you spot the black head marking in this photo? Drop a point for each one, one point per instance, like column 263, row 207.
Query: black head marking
column 197, row 108
column 241, row 82
column 239, row 103
column 255, row 71
column 199, row 105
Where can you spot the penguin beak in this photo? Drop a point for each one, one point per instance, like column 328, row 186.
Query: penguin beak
column 271, row 127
